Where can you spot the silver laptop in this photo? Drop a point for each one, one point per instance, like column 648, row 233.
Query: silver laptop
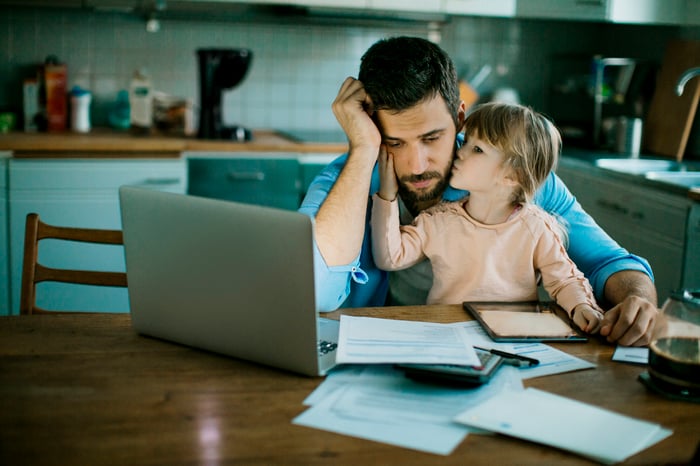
column 231, row 278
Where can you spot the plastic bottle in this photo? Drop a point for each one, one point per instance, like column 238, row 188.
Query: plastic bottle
column 80, row 109
column 120, row 113
column 141, row 102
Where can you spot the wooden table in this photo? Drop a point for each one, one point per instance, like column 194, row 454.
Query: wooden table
column 87, row 390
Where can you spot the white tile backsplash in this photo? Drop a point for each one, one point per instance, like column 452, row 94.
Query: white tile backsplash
column 296, row 70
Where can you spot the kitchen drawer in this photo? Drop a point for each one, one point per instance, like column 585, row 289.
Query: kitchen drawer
column 311, row 166
column 104, row 174
column 264, row 181
column 647, row 222
column 632, row 206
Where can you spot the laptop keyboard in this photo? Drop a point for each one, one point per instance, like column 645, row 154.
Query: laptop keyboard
column 325, row 347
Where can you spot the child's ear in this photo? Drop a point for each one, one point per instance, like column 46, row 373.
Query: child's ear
column 509, row 178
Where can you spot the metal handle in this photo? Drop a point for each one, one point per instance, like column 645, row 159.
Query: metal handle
column 162, row 181
column 615, row 207
column 246, row 176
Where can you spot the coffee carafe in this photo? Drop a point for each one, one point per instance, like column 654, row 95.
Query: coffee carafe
column 220, row 69
column 674, row 352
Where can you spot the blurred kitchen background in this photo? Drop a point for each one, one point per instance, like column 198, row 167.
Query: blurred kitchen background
column 299, row 59
column 586, row 63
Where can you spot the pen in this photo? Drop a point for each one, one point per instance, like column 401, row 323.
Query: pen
column 507, row 355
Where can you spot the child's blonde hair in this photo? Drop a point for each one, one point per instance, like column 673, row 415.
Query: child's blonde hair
column 529, row 141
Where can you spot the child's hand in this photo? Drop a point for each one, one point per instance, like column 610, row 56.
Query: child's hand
column 588, row 319
column 389, row 185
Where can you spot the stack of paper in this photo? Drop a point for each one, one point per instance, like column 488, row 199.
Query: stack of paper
column 363, row 340
column 370, row 399
column 368, row 340
column 378, row 403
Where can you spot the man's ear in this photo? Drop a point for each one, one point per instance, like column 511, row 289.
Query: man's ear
column 461, row 115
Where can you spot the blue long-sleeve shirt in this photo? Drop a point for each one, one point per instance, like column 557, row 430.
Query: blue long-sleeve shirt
column 362, row 284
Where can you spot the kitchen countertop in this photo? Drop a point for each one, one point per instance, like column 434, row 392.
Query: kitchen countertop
column 694, row 194
column 108, row 143
column 586, row 159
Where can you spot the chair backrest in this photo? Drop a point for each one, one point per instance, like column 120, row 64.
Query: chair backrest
column 33, row 272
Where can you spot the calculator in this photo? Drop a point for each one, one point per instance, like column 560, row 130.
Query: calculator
column 453, row 374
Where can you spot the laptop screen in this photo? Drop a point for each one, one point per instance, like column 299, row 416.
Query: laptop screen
column 232, row 278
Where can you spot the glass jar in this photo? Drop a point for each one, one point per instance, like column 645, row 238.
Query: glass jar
column 674, row 352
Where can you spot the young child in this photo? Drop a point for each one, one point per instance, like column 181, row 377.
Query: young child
column 493, row 245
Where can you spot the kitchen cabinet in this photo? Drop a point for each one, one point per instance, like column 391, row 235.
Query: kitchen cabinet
column 692, row 13
column 678, row 12
column 271, row 180
column 329, row 3
column 502, row 8
column 415, row 6
column 79, row 192
column 354, row 4
column 311, row 165
column 423, row 6
column 615, row 11
column 647, row 222
column 691, row 267
column 4, row 259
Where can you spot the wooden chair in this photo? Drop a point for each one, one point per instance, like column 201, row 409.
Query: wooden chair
column 33, row 272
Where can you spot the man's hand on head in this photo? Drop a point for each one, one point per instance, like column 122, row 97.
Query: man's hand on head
column 353, row 109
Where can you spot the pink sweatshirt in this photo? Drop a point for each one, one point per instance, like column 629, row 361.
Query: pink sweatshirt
column 476, row 262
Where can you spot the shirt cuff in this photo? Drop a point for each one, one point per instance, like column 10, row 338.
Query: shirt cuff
column 332, row 284
column 629, row 262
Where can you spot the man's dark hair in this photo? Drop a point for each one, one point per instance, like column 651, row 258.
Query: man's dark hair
column 400, row 72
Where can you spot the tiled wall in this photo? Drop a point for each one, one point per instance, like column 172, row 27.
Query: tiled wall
column 297, row 68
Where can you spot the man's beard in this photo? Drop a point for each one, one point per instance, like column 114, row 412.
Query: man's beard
column 416, row 201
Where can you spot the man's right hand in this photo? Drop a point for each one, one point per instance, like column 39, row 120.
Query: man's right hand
column 353, row 109
column 340, row 221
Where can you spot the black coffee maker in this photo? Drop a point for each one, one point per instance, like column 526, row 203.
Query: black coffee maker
column 220, row 69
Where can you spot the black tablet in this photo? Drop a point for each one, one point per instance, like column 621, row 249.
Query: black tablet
column 524, row 321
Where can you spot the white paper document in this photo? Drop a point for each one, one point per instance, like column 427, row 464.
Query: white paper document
column 542, row 417
column 369, row 340
column 375, row 401
column 379, row 403
column 633, row 354
column 552, row 361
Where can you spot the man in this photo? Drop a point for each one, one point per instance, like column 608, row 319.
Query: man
column 406, row 101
